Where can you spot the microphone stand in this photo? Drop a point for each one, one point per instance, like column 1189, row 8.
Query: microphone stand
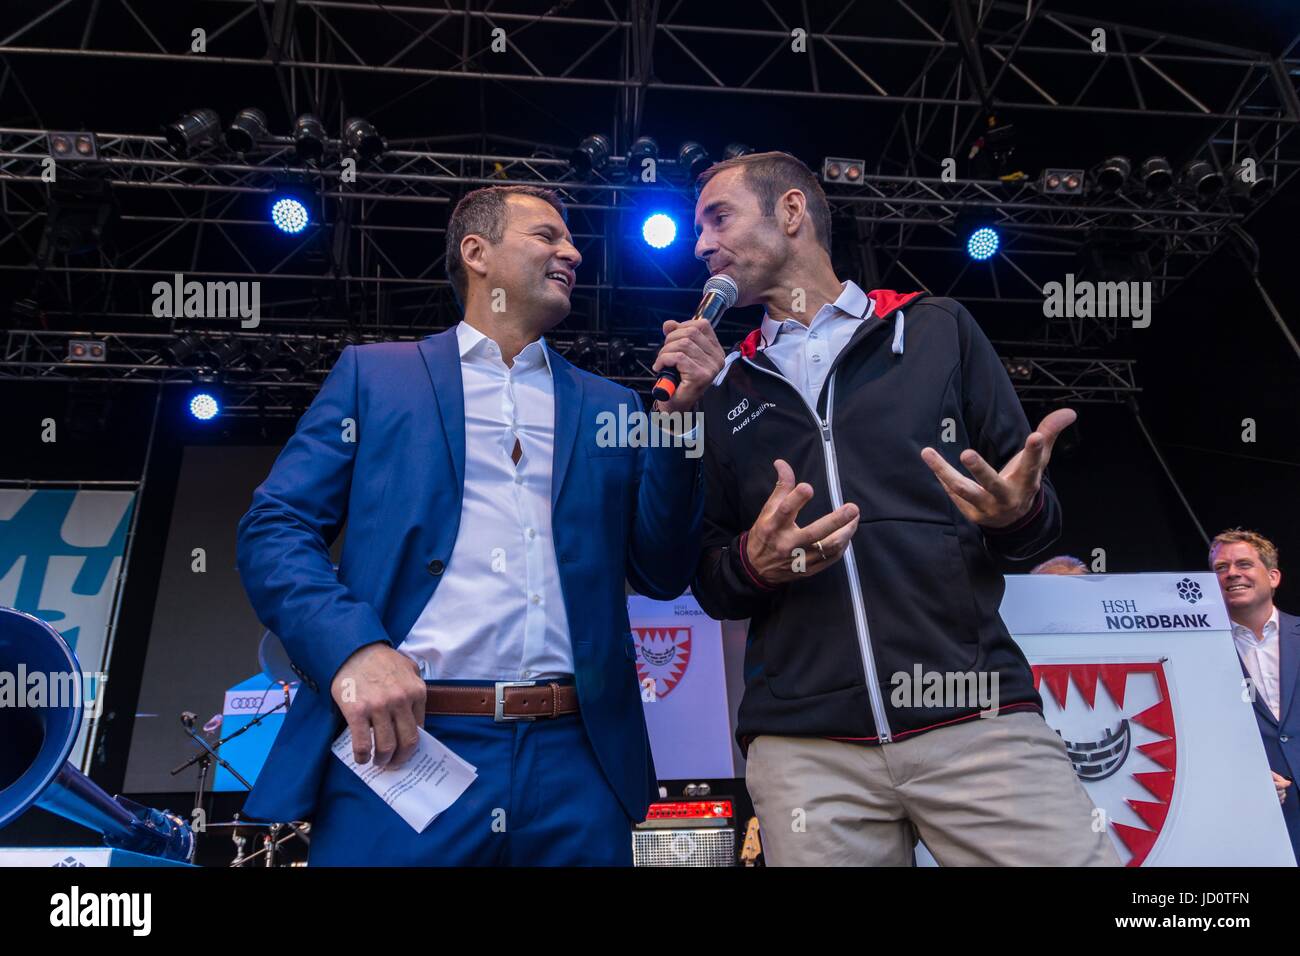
column 205, row 764
column 273, row 841
column 208, row 753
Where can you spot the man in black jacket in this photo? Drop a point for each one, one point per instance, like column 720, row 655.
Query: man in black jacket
column 875, row 644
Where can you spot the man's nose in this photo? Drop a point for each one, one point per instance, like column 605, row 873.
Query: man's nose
column 569, row 253
column 704, row 247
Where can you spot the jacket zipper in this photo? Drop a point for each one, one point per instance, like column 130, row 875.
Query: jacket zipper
column 883, row 732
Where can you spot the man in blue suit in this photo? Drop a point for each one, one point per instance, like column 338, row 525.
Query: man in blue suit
column 491, row 526
column 1268, row 643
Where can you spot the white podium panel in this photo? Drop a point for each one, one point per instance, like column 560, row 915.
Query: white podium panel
column 1139, row 675
column 679, row 663
column 77, row 856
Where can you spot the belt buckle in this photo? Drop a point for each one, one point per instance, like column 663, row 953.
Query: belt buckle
column 498, row 712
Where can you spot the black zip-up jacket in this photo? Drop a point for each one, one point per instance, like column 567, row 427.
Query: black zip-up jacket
column 918, row 584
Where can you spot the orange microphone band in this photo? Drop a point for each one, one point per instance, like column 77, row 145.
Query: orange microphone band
column 666, row 387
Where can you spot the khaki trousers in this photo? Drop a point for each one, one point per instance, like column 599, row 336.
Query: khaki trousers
column 997, row 791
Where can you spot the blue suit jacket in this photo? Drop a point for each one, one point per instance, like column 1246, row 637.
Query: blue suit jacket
column 1282, row 737
column 617, row 513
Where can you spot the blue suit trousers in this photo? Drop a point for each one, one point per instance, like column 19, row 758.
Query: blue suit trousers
column 540, row 799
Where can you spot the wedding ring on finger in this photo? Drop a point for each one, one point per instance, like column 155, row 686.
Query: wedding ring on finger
column 821, row 551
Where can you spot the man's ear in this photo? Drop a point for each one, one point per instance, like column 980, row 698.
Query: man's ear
column 474, row 252
column 791, row 211
column 1275, row 578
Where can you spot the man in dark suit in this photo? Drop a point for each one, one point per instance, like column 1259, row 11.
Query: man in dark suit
column 492, row 524
column 1268, row 642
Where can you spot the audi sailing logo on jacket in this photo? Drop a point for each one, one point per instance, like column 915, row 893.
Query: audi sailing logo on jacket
column 751, row 416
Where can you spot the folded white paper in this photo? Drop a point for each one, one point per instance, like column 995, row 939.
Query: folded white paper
column 427, row 784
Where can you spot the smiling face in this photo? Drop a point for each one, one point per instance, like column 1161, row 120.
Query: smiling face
column 735, row 236
column 1246, row 583
column 535, row 263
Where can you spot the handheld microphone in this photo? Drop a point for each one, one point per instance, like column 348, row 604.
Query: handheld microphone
column 720, row 294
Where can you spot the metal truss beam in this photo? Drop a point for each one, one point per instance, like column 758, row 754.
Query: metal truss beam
column 371, row 264
column 1017, row 40
column 288, row 383
column 205, row 218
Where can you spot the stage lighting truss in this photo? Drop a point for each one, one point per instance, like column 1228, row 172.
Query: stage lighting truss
column 398, row 197
column 849, row 171
column 195, row 205
column 911, row 219
column 86, row 350
column 284, row 387
column 71, row 147
column 1063, row 182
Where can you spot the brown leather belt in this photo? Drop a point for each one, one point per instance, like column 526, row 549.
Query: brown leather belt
column 506, row 700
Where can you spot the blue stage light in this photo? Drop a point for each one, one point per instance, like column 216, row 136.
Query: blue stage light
column 983, row 243
column 204, row 406
column 289, row 214
column 659, row 230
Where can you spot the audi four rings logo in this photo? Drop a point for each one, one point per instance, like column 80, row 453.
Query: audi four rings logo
column 250, row 703
column 738, row 410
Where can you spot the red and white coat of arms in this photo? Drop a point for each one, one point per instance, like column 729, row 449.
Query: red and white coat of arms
column 1121, row 740
column 662, row 654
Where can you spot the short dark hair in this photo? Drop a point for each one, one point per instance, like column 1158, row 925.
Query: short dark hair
column 769, row 176
column 483, row 212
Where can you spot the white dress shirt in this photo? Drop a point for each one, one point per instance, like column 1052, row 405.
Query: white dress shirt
column 498, row 613
column 804, row 353
column 1262, row 659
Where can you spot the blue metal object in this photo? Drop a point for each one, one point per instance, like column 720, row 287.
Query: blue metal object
column 37, row 734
